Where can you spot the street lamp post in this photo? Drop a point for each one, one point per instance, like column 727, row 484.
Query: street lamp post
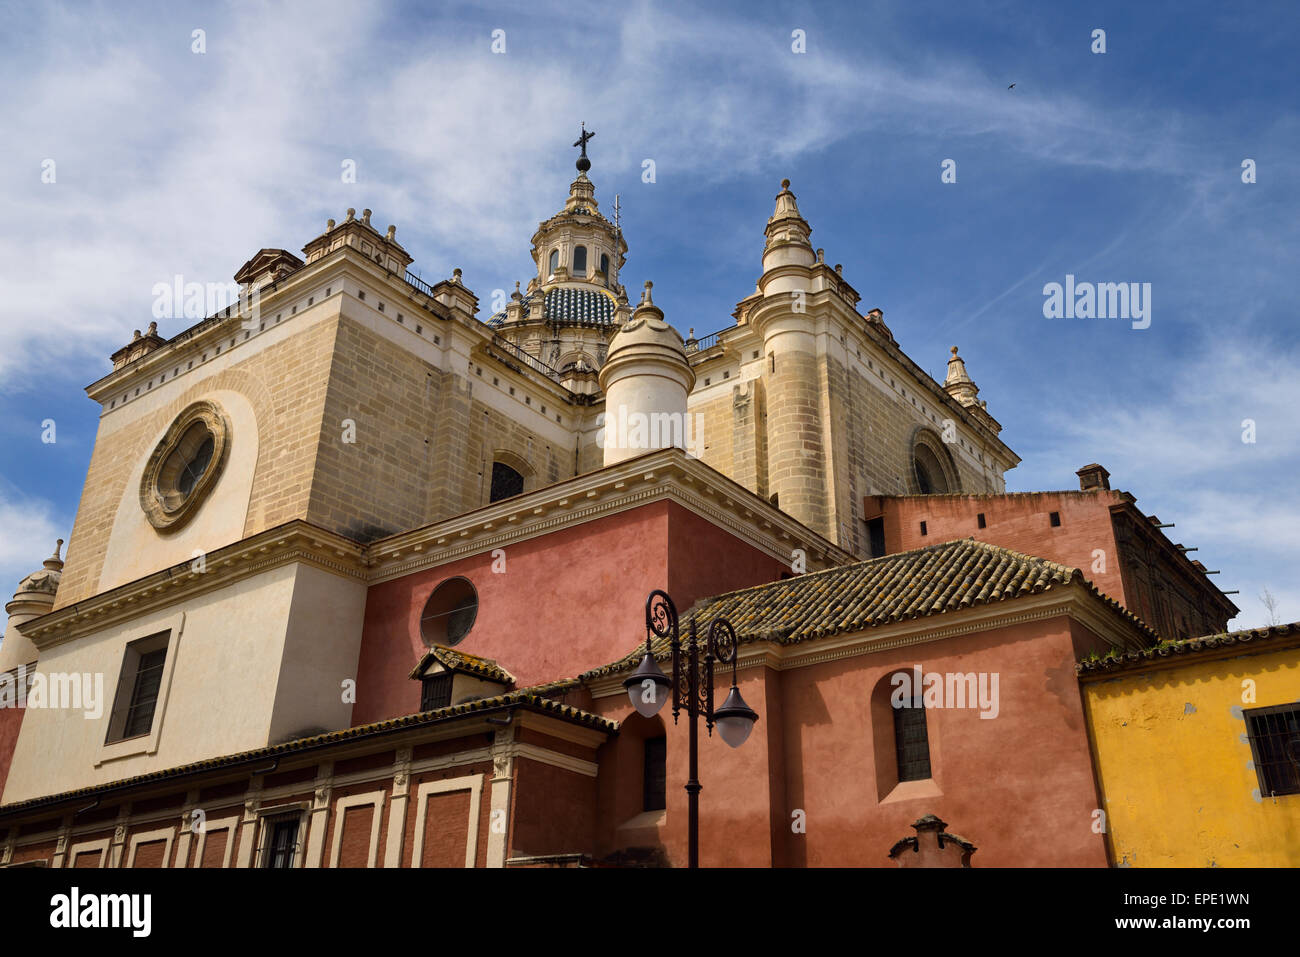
column 692, row 689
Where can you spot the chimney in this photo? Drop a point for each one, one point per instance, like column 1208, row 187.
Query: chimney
column 1093, row 476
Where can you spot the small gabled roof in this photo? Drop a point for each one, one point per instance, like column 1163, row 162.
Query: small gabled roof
column 465, row 663
column 265, row 259
column 934, row 580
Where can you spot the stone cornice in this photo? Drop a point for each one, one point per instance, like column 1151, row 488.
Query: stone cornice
column 207, row 333
column 664, row 474
column 667, row 474
column 295, row 541
column 843, row 317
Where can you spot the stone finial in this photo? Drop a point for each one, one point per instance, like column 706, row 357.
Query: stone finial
column 958, row 382
column 153, row 329
column 455, row 275
column 645, row 296
column 54, row 563
column 786, row 206
column 352, row 214
column 135, row 336
column 839, row 269
column 821, row 255
column 365, row 217
column 391, row 235
column 516, row 294
column 329, row 224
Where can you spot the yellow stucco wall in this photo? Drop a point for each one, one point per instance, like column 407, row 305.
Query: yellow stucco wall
column 1175, row 766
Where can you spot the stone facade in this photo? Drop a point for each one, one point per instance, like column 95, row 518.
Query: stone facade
column 380, row 403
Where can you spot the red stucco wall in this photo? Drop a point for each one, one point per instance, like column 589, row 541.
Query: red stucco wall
column 567, row 602
column 1018, row 522
column 11, row 722
column 1020, row 786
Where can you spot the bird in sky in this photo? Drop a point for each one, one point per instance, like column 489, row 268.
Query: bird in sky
column 1011, row 87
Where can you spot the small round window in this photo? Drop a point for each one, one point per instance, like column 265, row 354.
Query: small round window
column 184, row 465
column 449, row 613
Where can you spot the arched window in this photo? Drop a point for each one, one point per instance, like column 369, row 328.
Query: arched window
column 654, row 778
column 555, row 261
column 604, row 265
column 449, row 613
column 506, row 482
column 911, row 740
column 933, row 471
column 580, row 261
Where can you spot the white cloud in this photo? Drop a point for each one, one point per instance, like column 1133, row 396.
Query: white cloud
column 30, row 529
column 171, row 162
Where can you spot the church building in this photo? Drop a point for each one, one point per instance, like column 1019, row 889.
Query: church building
column 359, row 577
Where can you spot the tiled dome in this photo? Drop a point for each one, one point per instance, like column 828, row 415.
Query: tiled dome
column 566, row 304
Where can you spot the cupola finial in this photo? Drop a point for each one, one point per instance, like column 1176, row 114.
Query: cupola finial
column 583, row 163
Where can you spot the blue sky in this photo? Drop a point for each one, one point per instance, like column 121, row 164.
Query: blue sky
column 1123, row 166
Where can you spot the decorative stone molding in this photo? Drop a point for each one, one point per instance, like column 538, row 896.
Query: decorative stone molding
column 166, row 502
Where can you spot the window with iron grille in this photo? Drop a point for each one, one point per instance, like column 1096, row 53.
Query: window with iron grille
column 655, row 778
column 436, row 691
column 1275, row 745
column 912, row 741
column 283, row 842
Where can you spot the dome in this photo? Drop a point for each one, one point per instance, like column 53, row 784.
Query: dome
column 43, row 581
column 567, row 305
column 647, row 327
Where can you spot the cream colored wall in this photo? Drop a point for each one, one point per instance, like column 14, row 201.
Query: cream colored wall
column 321, row 650
column 136, row 548
column 251, row 659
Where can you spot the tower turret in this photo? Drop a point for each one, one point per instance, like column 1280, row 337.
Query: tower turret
column 571, row 305
column 646, row 379
column 34, row 597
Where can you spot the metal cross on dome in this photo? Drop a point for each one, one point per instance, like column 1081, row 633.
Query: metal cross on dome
column 582, row 140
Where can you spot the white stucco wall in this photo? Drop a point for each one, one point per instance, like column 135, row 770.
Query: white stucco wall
column 256, row 658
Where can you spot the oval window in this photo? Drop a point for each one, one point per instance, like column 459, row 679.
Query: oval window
column 449, row 613
column 184, row 465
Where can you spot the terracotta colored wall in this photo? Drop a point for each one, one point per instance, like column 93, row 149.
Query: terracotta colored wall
column 1020, row 786
column 11, row 722
column 738, row 815
column 568, row 601
column 705, row 560
column 554, row 810
column 1018, row 522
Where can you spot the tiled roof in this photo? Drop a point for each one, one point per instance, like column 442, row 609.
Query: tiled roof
column 1254, row 639
column 941, row 578
column 566, row 304
column 525, row 698
column 454, row 660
